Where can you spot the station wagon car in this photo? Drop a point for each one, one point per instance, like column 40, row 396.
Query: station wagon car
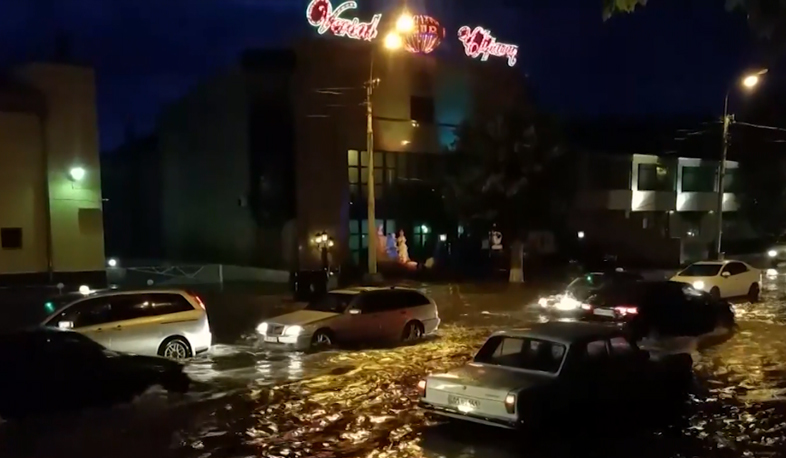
column 520, row 377
column 359, row 314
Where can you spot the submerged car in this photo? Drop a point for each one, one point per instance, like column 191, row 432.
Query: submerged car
column 49, row 370
column 666, row 308
column 521, row 377
column 169, row 323
column 723, row 279
column 572, row 300
column 354, row 315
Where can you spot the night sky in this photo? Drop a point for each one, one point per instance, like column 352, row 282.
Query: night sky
column 673, row 57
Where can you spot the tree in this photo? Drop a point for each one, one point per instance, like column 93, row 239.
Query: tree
column 766, row 17
column 502, row 171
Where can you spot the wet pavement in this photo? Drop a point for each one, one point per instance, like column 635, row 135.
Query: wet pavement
column 253, row 401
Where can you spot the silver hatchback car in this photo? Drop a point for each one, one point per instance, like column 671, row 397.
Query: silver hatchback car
column 361, row 314
column 168, row 323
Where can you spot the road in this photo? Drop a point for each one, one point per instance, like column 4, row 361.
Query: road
column 251, row 401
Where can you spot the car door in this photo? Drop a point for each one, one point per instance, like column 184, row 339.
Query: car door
column 735, row 283
column 367, row 322
column 89, row 317
column 591, row 382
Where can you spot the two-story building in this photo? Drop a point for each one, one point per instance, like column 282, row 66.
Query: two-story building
column 657, row 208
column 260, row 159
column 51, row 225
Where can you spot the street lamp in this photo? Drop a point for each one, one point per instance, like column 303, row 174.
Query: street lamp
column 749, row 82
column 393, row 41
column 76, row 173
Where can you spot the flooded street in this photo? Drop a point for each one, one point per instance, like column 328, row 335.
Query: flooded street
column 253, row 401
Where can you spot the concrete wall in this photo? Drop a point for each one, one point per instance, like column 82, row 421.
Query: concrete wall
column 23, row 192
column 71, row 139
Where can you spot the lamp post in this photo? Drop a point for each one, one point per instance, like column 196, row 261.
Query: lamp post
column 749, row 82
column 393, row 41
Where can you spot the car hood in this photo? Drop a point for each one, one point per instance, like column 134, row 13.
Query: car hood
column 493, row 377
column 302, row 317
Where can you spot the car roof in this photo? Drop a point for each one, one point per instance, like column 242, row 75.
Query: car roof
column 564, row 332
column 368, row 289
column 74, row 296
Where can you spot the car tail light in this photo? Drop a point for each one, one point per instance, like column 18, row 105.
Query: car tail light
column 586, row 307
column 510, row 403
column 626, row 310
column 198, row 301
column 422, row 388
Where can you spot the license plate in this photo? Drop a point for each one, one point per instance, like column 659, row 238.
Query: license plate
column 604, row 312
column 271, row 339
column 462, row 402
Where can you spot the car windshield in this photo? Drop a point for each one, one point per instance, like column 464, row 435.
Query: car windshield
column 581, row 287
column 522, row 353
column 333, row 302
column 701, row 270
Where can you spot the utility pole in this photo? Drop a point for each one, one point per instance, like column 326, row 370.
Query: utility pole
column 727, row 120
column 371, row 198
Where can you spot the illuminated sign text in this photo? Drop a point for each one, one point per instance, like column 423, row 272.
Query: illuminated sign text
column 324, row 17
column 479, row 42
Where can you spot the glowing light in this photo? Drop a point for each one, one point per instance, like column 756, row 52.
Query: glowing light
column 479, row 42
column 112, row 262
column 85, row 290
column 393, row 41
column 77, row 173
column 322, row 15
column 750, row 81
column 405, row 23
column 425, row 35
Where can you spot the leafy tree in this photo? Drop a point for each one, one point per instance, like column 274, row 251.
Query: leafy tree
column 766, row 17
column 504, row 170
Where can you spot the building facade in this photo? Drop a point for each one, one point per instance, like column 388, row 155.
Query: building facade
column 51, row 224
column 262, row 158
column 664, row 208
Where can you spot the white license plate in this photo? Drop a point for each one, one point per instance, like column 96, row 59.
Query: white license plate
column 271, row 339
column 462, row 402
column 604, row 312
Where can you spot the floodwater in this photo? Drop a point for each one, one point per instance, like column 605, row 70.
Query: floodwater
column 253, row 401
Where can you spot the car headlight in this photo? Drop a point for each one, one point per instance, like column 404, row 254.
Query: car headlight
column 293, row 330
column 698, row 285
column 772, row 253
column 543, row 302
column 262, row 328
column 568, row 303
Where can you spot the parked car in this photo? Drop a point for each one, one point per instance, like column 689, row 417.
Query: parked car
column 522, row 377
column 723, row 279
column 777, row 253
column 169, row 323
column 360, row 314
column 571, row 300
column 665, row 308
column 48, row 370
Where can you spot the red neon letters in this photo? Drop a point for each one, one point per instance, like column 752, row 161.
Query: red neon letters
column 481, row 43
column 320, row 14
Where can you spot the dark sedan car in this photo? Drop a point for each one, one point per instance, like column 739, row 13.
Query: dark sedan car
column 572, row 300
column 661, row 307
column 48, row 370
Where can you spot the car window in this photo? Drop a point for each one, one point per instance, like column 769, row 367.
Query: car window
column 414, row 299
column 597, row 350
column 377, row 301
column 157, row 305
column 90, row 312
column 620, row 346
column 701, row 270
column 333, row 302
column 522, row 353
column 735, row 268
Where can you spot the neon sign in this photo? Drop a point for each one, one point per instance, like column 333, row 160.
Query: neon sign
column 426, row 35
column 479, row 42
column 322, row 15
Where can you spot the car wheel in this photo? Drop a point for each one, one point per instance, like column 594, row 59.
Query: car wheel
column 322, row 339
column 175, row 348
column 715, row 293
column 412, row 331
column 754, row 293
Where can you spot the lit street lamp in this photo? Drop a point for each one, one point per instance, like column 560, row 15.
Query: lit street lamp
column 393, row 41
column 749, row 82
column 76, row 173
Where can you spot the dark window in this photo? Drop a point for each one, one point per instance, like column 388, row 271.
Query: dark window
column 156, row 305
column 654, row 177
column 597, row 350
column 701, row 270
column 90, row 312
column 11, row 238
column 332, row 302
column 376, row 302
column 620, row 346
column 735, row 268
column 414, row 299
column 698, row 179
column 421, row 109
column 610, row 174
column 523, row 353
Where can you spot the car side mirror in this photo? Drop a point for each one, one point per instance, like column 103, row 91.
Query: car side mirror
column 726, row 274
column 354, row 311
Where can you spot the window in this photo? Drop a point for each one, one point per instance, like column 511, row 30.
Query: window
column 421, row 109
column 422, row 234
column 701, row 270
column 735, row 268
column 523, row 353
column 422, row 82
column 378, row 302
column 621, row 346
column 414, row 299
column 332, row 302
column 11, row 238
column 654, row 177
column 157, row 304
column 698, row 179
column 358, row 173
column 90, row 312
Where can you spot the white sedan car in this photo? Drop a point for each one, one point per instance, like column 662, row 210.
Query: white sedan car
column 723, row 279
